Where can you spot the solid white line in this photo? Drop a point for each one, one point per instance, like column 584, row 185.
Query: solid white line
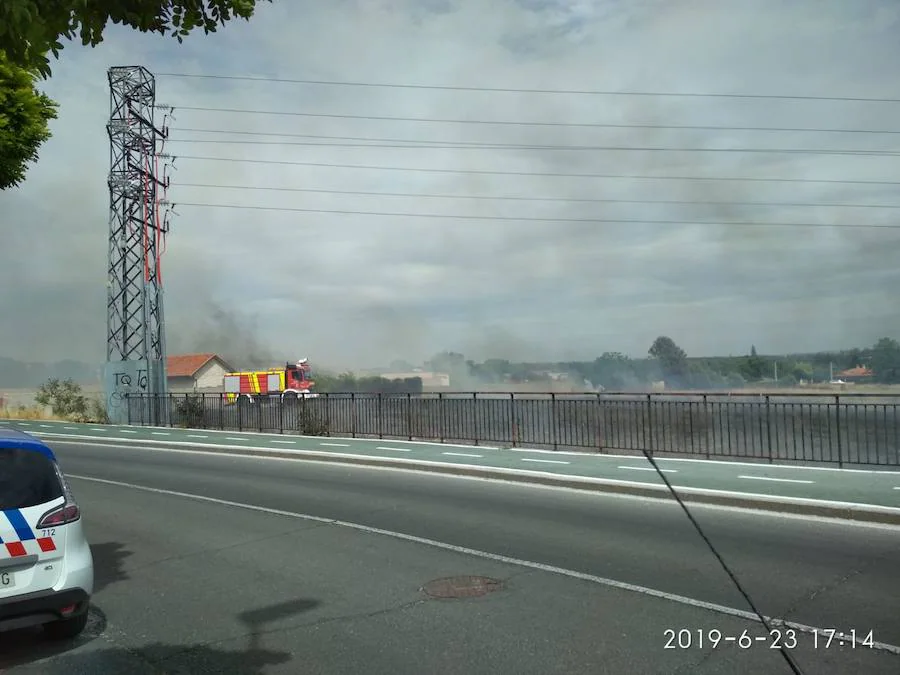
column 306, row 455
column 385, row 447
column 647, row 468
column 778, row 480
column 197, row 436
column 506, row 482
column 336, row 445
column 545, row 461
column 460, row 454
column 602, row 581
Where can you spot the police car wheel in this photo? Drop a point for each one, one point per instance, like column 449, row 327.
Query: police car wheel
column 66, row 629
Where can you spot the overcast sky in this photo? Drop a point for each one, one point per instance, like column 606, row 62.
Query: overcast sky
column 350, row 290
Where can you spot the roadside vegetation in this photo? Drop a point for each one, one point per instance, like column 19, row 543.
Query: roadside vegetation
column 62, row 400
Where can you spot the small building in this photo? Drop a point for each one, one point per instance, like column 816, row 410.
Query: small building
column 429, row 380
column 855, row 375
column 196, row 372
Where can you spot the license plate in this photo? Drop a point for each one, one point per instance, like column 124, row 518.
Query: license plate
column 7, row 580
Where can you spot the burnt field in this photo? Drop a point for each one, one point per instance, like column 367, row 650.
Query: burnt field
column 840, row 429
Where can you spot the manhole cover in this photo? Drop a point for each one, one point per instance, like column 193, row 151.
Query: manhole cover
column 461, row 587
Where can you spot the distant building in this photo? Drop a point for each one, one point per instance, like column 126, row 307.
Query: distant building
column 429, row 380
column 196, row 372
column 857, row 374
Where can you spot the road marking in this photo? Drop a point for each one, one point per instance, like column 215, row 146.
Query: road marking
column 25, row 424
column 502, row 474
column 275, row 440
column 197, row 436
column 778, row 480
column 897, row 488
column 337, row 445
column 160, row 433
column 49, row 426
column 461, row 454
column 601, row 581
column 545, row 461
column 386, row 447
column 72, row 428
column 234, row 438
column 124, row 431
column 647, row 468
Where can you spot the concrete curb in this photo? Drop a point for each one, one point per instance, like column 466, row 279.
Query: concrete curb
column 836, row 510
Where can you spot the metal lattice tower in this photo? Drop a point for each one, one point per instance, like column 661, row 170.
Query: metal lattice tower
column 135, row 345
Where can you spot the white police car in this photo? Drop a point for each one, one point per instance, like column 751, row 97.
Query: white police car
column 46, row 567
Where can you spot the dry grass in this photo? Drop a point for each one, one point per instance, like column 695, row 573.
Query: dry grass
column 32, row 412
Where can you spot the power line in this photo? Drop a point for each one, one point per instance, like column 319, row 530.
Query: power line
column 577, row 92
column 594, row 125
column 485, row 172
column 456, row 216
column 571, row 200
column 463, row 145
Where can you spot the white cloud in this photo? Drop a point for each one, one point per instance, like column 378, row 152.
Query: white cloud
column 355, row 290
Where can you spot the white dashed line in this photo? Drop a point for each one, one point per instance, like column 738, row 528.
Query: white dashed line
column 160, row 433
column 197, row 436
column 545, row 461
column 778, row 480
column 647, row 468
column 461, row 454
column 121, row 431
column 71, row 428
column 46, row 426
column 25, row 424
column 234, row 438
column 275, row 440
column 897, row 488
column 385, row 447
column 336, row 445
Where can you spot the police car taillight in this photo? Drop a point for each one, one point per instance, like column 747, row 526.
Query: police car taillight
column 67, row 513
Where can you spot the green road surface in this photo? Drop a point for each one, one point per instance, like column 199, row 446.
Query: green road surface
column 879, row 488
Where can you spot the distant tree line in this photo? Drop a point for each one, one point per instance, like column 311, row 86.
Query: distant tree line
column 669, row 363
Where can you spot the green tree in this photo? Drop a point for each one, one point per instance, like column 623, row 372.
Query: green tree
column 63, row 396
column 25, row 114
column 755, row 367
column 30, row 29
column 886, row 360
column 672, row 358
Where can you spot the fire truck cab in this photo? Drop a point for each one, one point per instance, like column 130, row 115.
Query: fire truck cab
column 291, row 380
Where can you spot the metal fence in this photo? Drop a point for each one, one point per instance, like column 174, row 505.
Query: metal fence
column 840, row 429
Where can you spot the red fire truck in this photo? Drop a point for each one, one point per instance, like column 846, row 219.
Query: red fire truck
column 288, row 380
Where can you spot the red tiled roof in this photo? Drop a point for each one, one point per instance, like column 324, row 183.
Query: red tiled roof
column 186, row 365
column 859, row 371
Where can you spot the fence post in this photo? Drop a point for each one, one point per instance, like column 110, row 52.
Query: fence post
column 443, row 427
column 379, row 410
column 475, row 415
column 240, row 413
column 409, row 415
column 840, row 443
column 553, row 421
column 353, row 407
column 650, row 442
column 768, row 428
column 514, row 429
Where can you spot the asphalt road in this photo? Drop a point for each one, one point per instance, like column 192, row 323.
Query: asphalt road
column 190, row 586
column 876, row 487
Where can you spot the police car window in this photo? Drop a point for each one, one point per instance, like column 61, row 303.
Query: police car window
column 27, row 478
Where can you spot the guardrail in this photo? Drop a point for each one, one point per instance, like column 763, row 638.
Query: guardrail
column 840, row 429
